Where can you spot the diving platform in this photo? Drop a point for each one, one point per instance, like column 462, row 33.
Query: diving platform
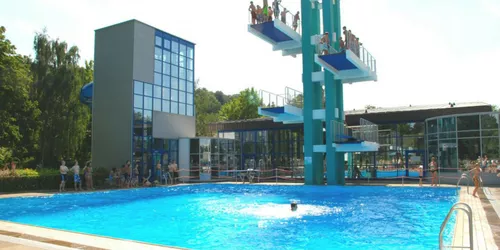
column 349, row 66
column 86, row 93
column 280, row 35
column 363, row 138
column 285, row 108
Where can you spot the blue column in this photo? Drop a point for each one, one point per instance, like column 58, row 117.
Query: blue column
column 313, row 130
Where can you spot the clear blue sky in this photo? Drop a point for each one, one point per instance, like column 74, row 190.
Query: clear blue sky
column 427, row 51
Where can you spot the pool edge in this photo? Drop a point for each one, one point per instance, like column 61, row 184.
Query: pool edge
column 78, row 240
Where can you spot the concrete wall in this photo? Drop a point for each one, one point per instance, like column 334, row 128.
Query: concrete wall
column 113, row 95
column 183, row 162
column 170, row 126
column 144, row 52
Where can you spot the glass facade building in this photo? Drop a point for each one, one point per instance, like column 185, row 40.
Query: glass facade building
column 172, row 92
column 458, row 141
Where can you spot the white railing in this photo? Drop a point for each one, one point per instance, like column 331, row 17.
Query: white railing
column 287, row 19
column 368, row 59
column 269, row 99
column 368, row 130
column 340, row 132
column 294, row 97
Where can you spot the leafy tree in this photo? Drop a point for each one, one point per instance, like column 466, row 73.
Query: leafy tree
column 245, row 106
column 207, row 107
column 297, row 101
column 19, row 115
column 58, row 80
column 222, row 98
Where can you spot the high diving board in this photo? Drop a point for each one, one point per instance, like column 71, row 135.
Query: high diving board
column 281, row 36
column 287, row 114
column 348, row 67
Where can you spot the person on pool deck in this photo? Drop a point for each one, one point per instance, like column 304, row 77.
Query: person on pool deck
column 87, row 173
column 420, row 174
column 145, row 180
column 174, row 172
column 477, row 171
column 126, row 174
column 76, row 176
column 64, row 176
column 293, row 206
column 434, row 168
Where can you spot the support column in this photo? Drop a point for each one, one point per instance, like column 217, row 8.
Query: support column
column 313, row 129
column 339, row 95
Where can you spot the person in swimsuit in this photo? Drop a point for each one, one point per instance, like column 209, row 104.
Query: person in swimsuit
column 136, row 175
column 126, row 174
column 260, row 17
column 325, row 44
column 477, row 171
column 64, row 176
column 420, row 175
column 269, row 14
column 434, row 168
column 276, row 8
column 253, row 12
column 283, row 15
column 158, row 171
column 76, row 176
column 87, row 173
column 296, row 19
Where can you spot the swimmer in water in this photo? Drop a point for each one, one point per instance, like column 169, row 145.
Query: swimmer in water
column 294, row 206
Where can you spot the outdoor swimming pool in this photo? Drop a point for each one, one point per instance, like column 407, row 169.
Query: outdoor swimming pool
column 212, row 216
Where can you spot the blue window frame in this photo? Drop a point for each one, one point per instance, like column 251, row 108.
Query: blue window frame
column 166, row 81
column 148, row 89
column 157, row 79
column 158, row 66
column 182, row 85
column 182, row 109
column 174, row 95
column 174, row 107
column 138, row 88
column 166, row 68
column 182, row 96
column 158, row 40
column 189, row 98
column 157, row 91
column 166, row 94
column 166, row 106
column 157, row 104
column 138, row 101
column 166, row 56
column 148, row 103
column 190, row 87
column 174, row 83
column 158, row 53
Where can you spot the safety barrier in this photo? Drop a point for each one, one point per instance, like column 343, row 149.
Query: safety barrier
column 368, row 130
column 340, row 132
column 288, row 18
column 294, row 97
column 368, row 59
column 269, row 99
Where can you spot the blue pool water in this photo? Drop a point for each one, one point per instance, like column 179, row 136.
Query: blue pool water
column 215, row 216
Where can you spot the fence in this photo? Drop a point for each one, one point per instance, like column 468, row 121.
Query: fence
column 368, row 130
column 269, row 99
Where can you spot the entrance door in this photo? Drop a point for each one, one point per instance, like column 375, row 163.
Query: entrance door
column 413, row 160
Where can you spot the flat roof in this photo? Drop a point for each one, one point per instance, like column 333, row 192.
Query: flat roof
column 411, row 113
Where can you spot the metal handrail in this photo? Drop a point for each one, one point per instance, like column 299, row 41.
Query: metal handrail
column 464, row 176
column 467, row 209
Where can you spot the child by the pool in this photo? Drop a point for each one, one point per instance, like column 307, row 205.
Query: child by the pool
column 76, row 176
column 477, row 171
column 420, row 174
column 64, row 173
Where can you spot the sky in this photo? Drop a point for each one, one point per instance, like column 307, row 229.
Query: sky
column 427, row 51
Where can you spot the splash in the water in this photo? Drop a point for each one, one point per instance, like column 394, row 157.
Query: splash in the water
column 283, row 211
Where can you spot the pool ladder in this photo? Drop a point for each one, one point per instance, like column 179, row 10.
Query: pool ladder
column 467, row 209
column 464, row 176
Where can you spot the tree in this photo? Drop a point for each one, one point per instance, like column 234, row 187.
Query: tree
column 19, row 115
column 222, row 98
column 207, row 106
column 245, row 106
column 297, row 101
column 57, row 82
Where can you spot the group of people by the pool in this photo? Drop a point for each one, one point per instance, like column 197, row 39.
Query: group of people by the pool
column 126, row 177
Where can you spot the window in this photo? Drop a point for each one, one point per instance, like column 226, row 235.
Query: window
column 175, row 83
column 166, row 106
column 175, row 71
column 166, row 56
column 138, row 87
column 182, row 85
column 166, row 68
column 148, row 116
column 182, row 61
column 174, row 95
column 175, row 59
column 190, row 87
column 190, row 52
column 182, row 73
column 190, row 75
column 157, row 91
column 189, row 98
column 182, row 50
column 190, row 64
column 148, row 103
column 182, row 109
column 166, row 44
column 182, row 96
column 148, row 89
column 158, row 53
column 157, row 79
column 468, row 122
column 166, row 94
column 138, row 115
column 166, row 81
column 157, row 66
column 157, row 104
column 173, row 107
column 138, row 101
column 189, row 110
column 175, row 47
column 158, row 41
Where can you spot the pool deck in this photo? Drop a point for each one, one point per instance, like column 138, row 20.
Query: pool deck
column 485, row 210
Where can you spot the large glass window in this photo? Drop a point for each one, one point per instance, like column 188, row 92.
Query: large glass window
column 157, row 104
column 175, row 71
column 138, row 87
column 175, row 47
column 491, row 147
column 190, row 52
column 182, row 96
column 158, row 66
column 174, row 107
column 468, row 122
column 148, row 103
column 138, row 101
column 189, row 98
column 157, row 79
column 490, row 122
column 157, row 91
column 182, row 85
column 166, row 68
column 189, row 75
column 158, row 41
column 174, row 94
column 174, row 83
column 182, row 50
column 166, row 56
column 166, row 106
column 158, row 53
column 182, row 73
column 182, row 109
column 469, row 149
column 446, row 124
column 190, row 64
column 182, row 61
column 166, row 44
column 148, row 89
column 148, row 116
column 166, row 81
column 166, row 94
column 190, row 87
